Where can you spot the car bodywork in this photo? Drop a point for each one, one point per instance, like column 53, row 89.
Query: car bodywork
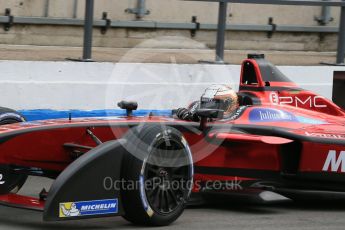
column 282, row 138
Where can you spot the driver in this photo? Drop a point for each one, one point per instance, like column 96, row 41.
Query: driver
column 221, row 97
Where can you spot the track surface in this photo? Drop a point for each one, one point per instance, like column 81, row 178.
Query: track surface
column 228, row 215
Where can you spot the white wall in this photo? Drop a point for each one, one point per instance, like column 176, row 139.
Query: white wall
column 89, row 86
column 173, row 10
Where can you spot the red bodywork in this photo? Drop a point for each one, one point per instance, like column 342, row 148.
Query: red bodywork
column 287, row 133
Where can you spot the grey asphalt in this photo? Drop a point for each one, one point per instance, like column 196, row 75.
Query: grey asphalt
column 222, row 215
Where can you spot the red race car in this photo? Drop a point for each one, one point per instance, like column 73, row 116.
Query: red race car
column 282, row 138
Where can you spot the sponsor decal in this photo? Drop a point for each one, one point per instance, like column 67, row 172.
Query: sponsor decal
column 298, row 101
column 271, row 115
column 334, row 162
column 142, row 192
column 194, row 106
column 88, row 208
column 275, row 115
column 307, row 120
column 1, row 179
column 147, row 207
column 274, row 98
column 325, row 135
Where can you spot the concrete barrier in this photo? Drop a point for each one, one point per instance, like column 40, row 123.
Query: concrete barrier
column 63, row 86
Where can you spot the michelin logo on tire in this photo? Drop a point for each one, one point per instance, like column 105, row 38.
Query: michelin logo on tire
column 88, row 208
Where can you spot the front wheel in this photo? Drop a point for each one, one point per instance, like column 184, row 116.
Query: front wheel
column 10, row 116
column 10, row 182
column 159, row 164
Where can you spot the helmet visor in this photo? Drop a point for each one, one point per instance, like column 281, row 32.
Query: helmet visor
column 208, row 103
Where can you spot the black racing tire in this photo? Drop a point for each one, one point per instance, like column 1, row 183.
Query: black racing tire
column 159, row 162
column 10, row 116
column 14, row 182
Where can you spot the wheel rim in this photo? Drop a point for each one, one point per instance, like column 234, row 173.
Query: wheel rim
column 168, row 176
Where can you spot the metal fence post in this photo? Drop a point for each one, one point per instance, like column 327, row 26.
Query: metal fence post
column 325, row 16
column 88, row 26
column 75, row 9
column 141, row 9
column 46, row 8
column 221, row 31
column 341, row 38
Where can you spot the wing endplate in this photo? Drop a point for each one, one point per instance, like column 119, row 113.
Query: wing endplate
column 80, row 191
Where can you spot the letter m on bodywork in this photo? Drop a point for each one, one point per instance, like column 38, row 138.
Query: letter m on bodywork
column 333, row 162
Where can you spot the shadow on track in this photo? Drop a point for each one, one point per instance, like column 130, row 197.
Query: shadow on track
column 256, row 206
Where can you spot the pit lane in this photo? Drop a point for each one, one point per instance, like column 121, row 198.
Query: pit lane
column 225, row 214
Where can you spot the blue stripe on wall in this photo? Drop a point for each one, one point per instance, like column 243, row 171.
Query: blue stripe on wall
column 44, row 114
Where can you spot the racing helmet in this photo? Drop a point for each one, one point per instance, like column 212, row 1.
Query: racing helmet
column 221, row 97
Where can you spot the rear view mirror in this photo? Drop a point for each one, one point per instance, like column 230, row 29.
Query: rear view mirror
column 210, row 113
column 129, row 106
column 206, row 114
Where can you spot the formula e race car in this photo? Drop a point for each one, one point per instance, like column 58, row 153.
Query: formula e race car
column 282, row 139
